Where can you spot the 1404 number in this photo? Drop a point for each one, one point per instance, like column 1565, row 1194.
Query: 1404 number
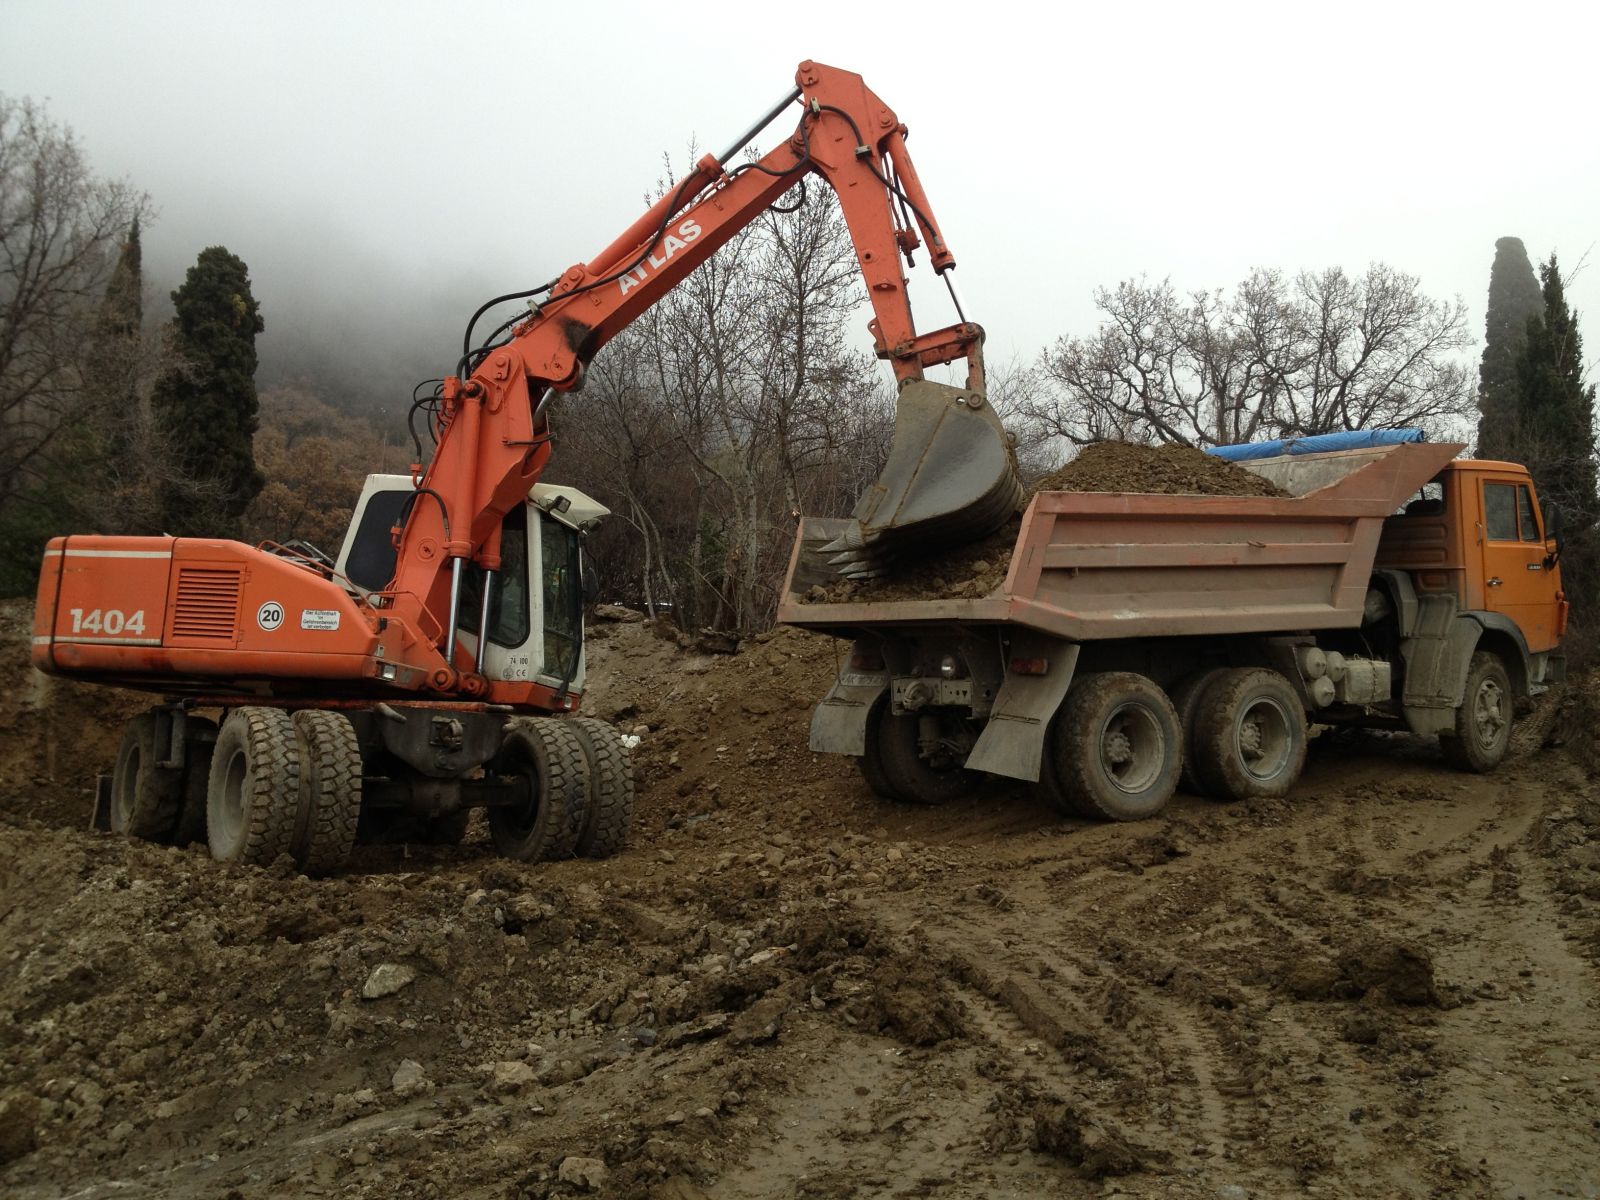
column 109, row 621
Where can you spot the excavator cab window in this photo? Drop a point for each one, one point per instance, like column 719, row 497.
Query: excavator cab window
column 508, row 602
column 563, row 599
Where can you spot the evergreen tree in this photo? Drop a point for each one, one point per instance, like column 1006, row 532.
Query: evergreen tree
column 206, row 406
column 1556, row 430
column 1514, row 297
column 112, row 374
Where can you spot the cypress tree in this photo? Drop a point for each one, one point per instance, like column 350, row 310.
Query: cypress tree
column 205, row 407
column 1556, row 429
column 1514, row 297
column 113, row 373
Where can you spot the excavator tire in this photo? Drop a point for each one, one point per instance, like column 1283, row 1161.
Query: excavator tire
column 253, row 798
column 912, row 777
column 545, row 823
column 871, row 762
column 1483, row 722
column 609, row 809
column 202, row 740
column 1186, row 701
column 144, row 797
column 1116, row 748
column 1249, row 736
column 330, row 791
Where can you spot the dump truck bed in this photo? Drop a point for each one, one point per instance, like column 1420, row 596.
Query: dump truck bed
column 1092, row 565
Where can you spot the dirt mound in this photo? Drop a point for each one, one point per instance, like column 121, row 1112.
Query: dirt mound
column 977, row 570
column 1154, row 470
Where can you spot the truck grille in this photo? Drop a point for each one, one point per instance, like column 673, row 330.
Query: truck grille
column 207, row 604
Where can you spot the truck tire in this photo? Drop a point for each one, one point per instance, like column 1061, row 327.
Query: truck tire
column 145, row 798
column 1186, row 701
column 1116, row 748
column 871, row 762
column 1483, row 722
column 551, row 771
column 1249, row 736
column 253, row 796
column 911, row 777
column 330, row 791
column 201, row 742
column 608, row 811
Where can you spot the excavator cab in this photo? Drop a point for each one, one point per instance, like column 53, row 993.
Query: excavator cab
column 536, row 599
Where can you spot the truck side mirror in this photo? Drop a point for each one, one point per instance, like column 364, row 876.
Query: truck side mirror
column 1551, row 512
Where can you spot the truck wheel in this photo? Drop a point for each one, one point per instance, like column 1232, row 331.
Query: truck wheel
column 608, row 811
column 871, row 762
column 1186, row 701
column 253, row 797
column 144, row 797
column 1249, row 736
column 202, row 740
column 912, row 776
column 549, row 769
column 1483, row 722
column 1117, row 748
column 330, row 791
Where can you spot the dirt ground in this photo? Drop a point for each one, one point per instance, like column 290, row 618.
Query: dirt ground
column 1383, row 986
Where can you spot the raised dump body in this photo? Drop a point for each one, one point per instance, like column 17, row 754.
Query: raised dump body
column 1090, row 565
column 1136, row 638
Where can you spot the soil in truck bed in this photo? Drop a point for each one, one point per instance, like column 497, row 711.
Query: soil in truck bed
column 979, row 568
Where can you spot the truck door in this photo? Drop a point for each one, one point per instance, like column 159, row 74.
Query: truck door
column 1515, row 579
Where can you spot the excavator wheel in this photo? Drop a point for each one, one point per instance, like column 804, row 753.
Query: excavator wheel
column 871, row 762
column 144, row 797
column 551, row 772
column 253, row 798
column 201, row 741
column 1116, row 747
column 1186, row 701
column 1249, row 736
column 609, row 809
column 330, row 791
column 912, row 775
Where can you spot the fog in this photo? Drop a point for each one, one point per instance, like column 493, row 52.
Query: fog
column 384, row 167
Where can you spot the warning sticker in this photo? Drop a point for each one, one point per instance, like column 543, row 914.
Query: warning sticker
column 319, row 618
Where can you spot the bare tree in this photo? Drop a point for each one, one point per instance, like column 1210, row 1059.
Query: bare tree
column 1277, row 357
column 60, row 232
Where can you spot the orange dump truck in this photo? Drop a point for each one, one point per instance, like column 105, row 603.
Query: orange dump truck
column 1142, row 639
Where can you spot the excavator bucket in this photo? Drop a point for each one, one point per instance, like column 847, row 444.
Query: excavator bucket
column 951, row 478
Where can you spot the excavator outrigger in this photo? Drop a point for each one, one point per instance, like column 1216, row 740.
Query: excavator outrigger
column 384, row 689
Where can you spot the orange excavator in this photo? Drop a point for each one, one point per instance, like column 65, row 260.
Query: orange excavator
column 435, row 665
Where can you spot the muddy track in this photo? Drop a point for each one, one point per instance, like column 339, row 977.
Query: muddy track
column 1384, row 985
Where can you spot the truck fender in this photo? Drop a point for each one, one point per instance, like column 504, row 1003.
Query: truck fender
column 839, row 721
column 1012, row 742
column 1504, row 636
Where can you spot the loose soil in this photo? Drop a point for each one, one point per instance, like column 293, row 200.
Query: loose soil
column 978, row 569
column 1384, row 985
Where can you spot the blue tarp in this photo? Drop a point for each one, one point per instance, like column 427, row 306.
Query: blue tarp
column 1359, row 439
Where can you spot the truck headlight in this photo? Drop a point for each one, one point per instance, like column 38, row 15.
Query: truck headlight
column 949, row 666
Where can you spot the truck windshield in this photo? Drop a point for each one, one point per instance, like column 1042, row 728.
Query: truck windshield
column 563, row 599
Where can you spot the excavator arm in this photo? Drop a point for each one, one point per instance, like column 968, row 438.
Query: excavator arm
column 950, row 476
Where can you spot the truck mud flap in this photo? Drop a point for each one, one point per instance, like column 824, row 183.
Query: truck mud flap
column 1012, row 743
column 839, row 721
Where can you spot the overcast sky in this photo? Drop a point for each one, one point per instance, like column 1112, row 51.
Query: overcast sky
column 383, row 159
